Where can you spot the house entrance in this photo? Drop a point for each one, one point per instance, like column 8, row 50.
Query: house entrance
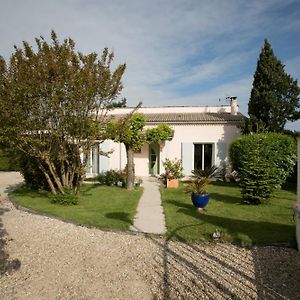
column 154, row 159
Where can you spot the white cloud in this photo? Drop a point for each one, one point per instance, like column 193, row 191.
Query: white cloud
column 167, row 45
column 292, row 67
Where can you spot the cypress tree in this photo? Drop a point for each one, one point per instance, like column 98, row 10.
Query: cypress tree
column 274, row 97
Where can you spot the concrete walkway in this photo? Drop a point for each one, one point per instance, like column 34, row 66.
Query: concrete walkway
column 150, row 217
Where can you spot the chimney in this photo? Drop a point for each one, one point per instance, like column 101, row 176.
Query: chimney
column 234, row 105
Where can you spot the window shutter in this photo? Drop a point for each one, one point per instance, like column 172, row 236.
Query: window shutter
column 221, row 154
column 95, row 162
column 187, row 158
column 104, row 160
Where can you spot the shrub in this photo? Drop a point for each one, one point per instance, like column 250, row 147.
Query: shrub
column 173, row 168
column 263, row 161
column 33, row 176
column 68, row 198
column 112, row 177
column 9, row 159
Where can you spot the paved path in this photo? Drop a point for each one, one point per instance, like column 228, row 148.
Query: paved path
column 8, row 181
column 150, row 217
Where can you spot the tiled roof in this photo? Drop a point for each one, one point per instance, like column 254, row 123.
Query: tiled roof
column 194, row 118
column 190, row 118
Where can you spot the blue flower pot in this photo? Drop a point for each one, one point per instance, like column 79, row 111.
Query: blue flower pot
column 200, row 201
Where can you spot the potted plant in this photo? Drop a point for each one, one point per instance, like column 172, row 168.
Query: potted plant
column 198, row 186
column 173, row 171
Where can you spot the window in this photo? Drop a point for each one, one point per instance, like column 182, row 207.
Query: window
column 203, row 156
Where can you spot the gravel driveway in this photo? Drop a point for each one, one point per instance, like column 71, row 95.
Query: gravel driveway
column 44, row 258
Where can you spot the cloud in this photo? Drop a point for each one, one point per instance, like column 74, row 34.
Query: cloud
column 177, row 52
column 292, row 67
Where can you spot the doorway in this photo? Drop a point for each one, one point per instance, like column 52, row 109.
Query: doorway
column 154, row 150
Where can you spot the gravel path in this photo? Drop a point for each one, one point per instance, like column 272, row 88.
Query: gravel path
column 44, row 258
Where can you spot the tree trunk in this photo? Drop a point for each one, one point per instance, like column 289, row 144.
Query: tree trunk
column 130, row 168
column 54, row 175
column 51, row 185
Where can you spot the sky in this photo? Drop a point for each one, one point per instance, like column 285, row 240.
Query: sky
column 177, row 52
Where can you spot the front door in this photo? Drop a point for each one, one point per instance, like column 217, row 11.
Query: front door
column 154, row 159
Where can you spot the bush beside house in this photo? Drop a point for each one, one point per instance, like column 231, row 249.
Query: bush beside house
column 263, row 161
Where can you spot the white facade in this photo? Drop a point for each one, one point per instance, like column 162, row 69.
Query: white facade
column 196, row 143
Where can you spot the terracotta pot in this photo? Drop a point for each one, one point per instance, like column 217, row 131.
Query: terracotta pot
column 172, row 183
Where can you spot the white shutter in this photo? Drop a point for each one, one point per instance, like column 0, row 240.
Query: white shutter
column 104, row 160
column 187, row 158
column 221, row 154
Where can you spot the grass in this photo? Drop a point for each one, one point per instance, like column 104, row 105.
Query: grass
column 238, row 223
column 99, row 206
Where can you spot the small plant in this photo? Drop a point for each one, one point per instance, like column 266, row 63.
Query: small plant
column 201, row 179
column 68, row 198
column 173, row 169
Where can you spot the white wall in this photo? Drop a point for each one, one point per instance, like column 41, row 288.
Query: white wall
column 219, row 135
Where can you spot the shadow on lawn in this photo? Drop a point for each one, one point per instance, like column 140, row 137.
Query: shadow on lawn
column 225, row 198
column 121, row 216
column 256, row 231
column 6, row 265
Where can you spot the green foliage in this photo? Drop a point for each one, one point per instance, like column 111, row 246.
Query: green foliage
column 274, row 97
column 201, row 180
column 118, row 104
column 263, row 160
column 67, row 198
column 258, row 178
column 173, row 169
column 47, row 98
column 33, row 176
column 9, row 160
column 159, row 133
column 112, row 177
column 130, row 131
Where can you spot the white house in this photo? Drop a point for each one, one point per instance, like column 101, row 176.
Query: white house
column 202, row 135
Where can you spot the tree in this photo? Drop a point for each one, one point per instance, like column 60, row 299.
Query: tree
column 53, row 106
column 263, row 161
column 130, row 131
column 119, row 104
column 274, row 97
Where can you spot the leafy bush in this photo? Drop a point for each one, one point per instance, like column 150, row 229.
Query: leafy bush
column 68, row 198
column 33, row 176
column 263, row 161
column 158, row 134
column 9, row 160
column 201, row 179
column 173, row 169
column 112, row 177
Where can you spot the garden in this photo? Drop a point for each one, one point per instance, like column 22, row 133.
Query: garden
column 227, row 216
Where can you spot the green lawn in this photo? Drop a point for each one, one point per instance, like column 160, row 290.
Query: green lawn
column 238, row 223
column 100, row 206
